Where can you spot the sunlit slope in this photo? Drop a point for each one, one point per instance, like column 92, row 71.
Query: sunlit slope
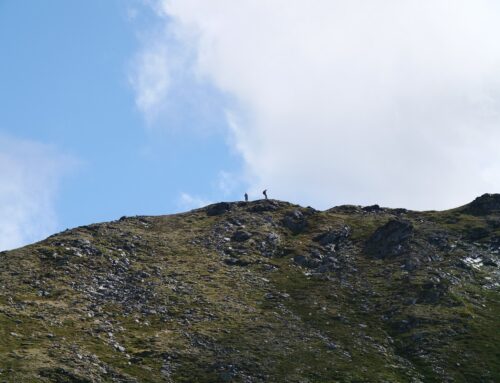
column 264, row 291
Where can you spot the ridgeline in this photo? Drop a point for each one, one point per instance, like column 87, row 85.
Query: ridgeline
column 264, row 291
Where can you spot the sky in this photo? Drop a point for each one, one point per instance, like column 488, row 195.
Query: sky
column 147, row 107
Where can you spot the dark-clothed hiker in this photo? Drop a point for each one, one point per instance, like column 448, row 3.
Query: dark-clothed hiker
column 246, row 197
column 265, row 193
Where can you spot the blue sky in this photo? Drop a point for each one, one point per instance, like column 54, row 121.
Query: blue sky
column 125, row 107
column 64, row 83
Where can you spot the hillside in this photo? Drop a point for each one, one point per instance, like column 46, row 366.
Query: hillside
column 264, row 291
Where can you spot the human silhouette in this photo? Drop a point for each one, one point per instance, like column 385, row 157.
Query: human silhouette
column 265, row 193
column 246, row 197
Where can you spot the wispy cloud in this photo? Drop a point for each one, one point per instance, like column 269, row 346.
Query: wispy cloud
column 394, row 102
column 150, row 79
column 188, row 201
column 228, row 182
column 30, row 173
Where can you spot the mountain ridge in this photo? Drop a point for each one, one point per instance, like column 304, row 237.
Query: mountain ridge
column 264, row 291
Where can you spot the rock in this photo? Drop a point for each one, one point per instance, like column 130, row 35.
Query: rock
column 218, row 208
column 433, row 291
column 347, row 209
column 487, row 261
column 411, row 262
column 263, row 206
column 439, row 240
column 372, row 208
column 300, row 260
column 333, row 237
column 62, row 375
column 119, row 347
column 241, row 236
column 236, row 262
column 332, row 345
column 316, row 254
column 399, row 211
column 236, row 221
column 295, row 221
column 484, row 205
column 304, row 261
column 270, row 246
column 273, row 239
column 406, row 325
column 177, row 287
column 167, row 368
column 390, row 240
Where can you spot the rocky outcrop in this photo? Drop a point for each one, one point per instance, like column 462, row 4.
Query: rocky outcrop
column 218, row 208
column 333, row 237
column 241, row 236
column 295, row 221
column 484, row 205
column 390, row 240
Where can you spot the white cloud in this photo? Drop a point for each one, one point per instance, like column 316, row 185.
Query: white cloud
column 29, row 176
column 131, row 13
column 188, row 201
column 388, row 101
column 228, row 182
column 150, row 79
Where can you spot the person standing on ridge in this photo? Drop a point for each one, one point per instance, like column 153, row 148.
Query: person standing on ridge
column 265, row 193
column 246, row 197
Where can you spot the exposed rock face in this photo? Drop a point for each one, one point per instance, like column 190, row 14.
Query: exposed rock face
column 218, row 208
column 295, row 221
column 390, row 240
column 333, row 237
column 372, row 208
column 263, row 206
column 256, row 292
column 486, row 204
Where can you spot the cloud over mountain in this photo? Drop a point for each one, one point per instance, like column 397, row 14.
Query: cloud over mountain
column 394, row 102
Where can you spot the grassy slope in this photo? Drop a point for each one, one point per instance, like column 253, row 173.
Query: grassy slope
column 154, row 301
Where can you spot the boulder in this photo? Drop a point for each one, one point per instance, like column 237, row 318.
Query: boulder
column 390, row 240
column 302, row 260
column 346, row 209
column 273, row 239
column 411, row 262
column 295, row 221
column 490, row 261
column 236, row 262
column 263, row 206
column 241, row 236
column 372, row 208
column 333, row 237
column 218, row 208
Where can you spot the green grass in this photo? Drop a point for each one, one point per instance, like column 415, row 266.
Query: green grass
column 223, row 323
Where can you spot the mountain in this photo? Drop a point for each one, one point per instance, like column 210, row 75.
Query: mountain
column 264, row 291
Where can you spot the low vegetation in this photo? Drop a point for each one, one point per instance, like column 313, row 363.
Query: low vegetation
column 264, row 291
